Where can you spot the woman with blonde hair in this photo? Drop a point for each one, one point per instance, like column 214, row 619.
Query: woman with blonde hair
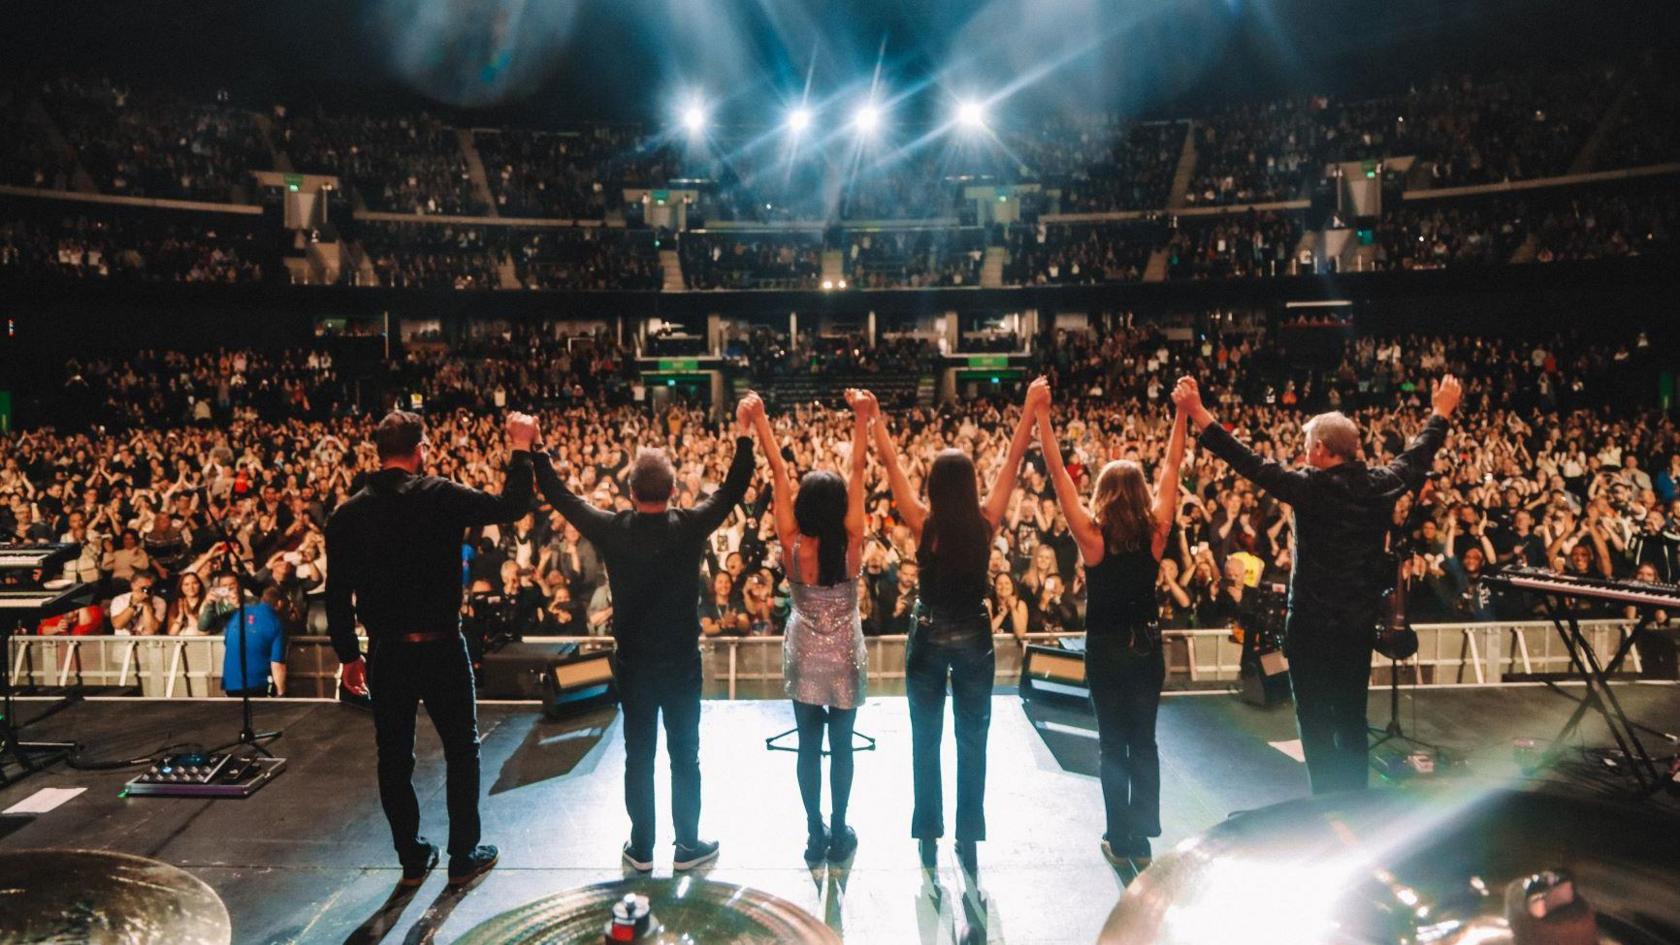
column 1121, row 538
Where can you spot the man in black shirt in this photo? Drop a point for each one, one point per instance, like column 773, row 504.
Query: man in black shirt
column 394, row 561
column 1342, row 512
column 653, row 556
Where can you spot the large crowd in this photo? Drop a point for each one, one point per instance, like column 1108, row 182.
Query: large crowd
column 159, row 461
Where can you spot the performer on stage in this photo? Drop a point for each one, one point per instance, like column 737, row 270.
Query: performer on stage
column 951, row 637
column 653, row 555
column 394, row 562
column 1121, row 538
column 823, row 659
column 1342, row 511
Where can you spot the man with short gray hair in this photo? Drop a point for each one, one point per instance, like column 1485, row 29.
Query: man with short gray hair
column 1342, row 513
column 652, row 553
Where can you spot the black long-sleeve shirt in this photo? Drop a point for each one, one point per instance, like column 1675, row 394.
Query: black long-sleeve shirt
column 653, row 559
column 396, row 547
column 1341, row 516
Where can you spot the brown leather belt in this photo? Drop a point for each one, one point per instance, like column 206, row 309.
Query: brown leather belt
column 427, row 636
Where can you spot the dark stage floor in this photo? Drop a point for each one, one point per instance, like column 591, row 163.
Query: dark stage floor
column 307, row 859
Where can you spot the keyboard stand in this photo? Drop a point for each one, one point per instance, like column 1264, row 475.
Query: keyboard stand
column 30, row 756
column 1584, row 662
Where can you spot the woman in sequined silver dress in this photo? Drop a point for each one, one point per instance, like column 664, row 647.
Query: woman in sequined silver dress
column 820, row 526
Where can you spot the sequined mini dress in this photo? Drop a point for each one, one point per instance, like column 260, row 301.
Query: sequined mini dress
column 823, row 658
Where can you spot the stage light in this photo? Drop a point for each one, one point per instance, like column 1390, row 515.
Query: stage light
column 971, row 115
column 694, row 119
column 799, row 119
column 867, row 119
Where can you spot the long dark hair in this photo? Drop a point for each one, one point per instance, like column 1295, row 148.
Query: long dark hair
column 956, row 534
column 820, row 511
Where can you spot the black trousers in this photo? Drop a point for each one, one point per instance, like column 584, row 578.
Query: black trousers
column 1329, row 675
column 647, row 688
column 969, row 667
column 400, row 676
column 1125, row 688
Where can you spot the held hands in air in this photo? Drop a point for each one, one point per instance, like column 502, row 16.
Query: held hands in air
column 1448, row 392
column 521, row 431
column 748, row 411
column 1038, row 398
column 863, row 403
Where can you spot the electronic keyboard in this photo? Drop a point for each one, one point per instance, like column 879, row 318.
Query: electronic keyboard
column 1635, row 593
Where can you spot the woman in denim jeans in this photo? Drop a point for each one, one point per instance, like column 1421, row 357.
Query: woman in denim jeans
column 1121, row 538
column 951, row 638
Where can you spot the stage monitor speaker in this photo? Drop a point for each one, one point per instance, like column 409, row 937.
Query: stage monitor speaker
column 1054, row 672
column 577, row 682
column 1268, row 682
column 558, row 674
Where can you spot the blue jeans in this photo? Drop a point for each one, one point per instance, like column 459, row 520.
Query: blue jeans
column 645, row 689
column 969, row 666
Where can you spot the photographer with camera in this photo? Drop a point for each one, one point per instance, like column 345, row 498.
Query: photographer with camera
column 140, row 612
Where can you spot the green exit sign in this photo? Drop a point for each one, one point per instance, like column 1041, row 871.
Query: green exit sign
column 294, row 182
column 668, row 365
column 988, row 361
column 661, row 197
column 5, row 411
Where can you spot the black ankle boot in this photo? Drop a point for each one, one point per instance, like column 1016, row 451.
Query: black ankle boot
column 929, row 850
column 816, row 843
column 842, row 844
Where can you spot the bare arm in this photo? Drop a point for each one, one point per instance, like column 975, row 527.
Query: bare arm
column 781, row 483
column 1166, row 485
column 1081, row 525
column 909, row 504
column 997, row 498
column 864, row 409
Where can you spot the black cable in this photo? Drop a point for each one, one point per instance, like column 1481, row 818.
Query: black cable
column 74, row 759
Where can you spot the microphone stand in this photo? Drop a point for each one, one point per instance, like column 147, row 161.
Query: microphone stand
column 248, row 735
column 1392, row 731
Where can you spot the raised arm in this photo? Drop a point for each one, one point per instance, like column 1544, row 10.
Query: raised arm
column 997, row 498
column 472, row 507
column 908, row 503
column 864, row 409
column 1166, row 482
column 1413, row 463
column 710, row 512
column 781, row 482
column 1081, row 525
column 1286, row 484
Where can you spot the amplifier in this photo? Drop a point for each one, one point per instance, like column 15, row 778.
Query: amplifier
column 559, row 675
column 1265, row 680
column 1054, row 672
column 203, row 775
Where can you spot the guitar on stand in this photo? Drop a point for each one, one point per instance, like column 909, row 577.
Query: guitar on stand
column 1396, row 639
column 26, row 598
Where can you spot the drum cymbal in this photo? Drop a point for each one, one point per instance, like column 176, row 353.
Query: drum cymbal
column 99, row 898
column 680, row 910
column 1409, row 867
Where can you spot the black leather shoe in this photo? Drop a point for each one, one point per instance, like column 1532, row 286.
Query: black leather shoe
column 816, row 844
column 968, row 854
column 842, row 845
column 418, row 864
column 1139, row 853
column 929, row 850
column 465, row 869
column 701, row 853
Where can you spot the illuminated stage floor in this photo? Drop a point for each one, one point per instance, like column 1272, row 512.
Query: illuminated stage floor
column 307, row 859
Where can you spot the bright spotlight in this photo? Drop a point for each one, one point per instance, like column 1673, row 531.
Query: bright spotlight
column 799, row 119
column 694, row 119
column 971, row 115
column 868, row 118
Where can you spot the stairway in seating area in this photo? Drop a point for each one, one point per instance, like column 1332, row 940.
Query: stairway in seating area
column 475, row 171
column 991, row 267
column 670, row 268
column 1186, row 170
column 1156, row 269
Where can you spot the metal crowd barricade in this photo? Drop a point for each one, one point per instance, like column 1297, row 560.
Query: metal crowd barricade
column 751, row 667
